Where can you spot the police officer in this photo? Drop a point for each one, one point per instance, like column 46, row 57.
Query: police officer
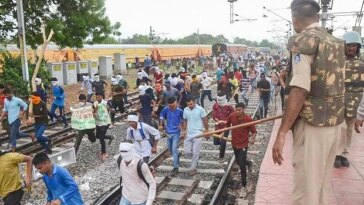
column 354, row 84
column 315, row 105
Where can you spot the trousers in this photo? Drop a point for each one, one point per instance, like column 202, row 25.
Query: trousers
column 192, row 147
column 15, row 133
column 101, row 135
column 314, row 151
column 345, row 138
column 90, row 134
column 173, row 141
column 14, row 198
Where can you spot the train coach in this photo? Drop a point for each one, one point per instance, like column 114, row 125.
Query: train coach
column 219, row 48
column 92, row 52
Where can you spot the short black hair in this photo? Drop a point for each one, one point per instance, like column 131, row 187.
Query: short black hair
column 35, row 94
column 171, row 99
column 99, row 93
column 40, row 158
column 54, row 79
column 221, row 93
column 7, row 91
column 82, row 97
column 194, row 76
column 240, row 104
column 96, row 74
column 189, row 98
column 305, row 11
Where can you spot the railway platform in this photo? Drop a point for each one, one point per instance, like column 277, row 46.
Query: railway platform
column 276, row 182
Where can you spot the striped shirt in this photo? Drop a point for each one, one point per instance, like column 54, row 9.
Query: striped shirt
column 245, row 82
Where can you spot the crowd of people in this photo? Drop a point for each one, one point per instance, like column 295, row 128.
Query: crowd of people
column 173, row 105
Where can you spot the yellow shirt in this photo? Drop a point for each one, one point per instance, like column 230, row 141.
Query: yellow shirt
column 234, row 81
column 9, row 173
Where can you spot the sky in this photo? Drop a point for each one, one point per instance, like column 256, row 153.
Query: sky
column 178, row 18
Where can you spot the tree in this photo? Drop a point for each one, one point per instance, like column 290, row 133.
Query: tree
column 137, row 39
column 73, row 21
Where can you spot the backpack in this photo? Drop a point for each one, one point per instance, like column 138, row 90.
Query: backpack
column 139, row 170
column 151, row 138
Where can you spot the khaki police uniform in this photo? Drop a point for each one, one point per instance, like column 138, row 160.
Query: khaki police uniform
column 316, row 134
column 354, row 78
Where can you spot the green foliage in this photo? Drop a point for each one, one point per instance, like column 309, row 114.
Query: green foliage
column 137, row 39
column 73, row 21
column 110, row 40
column 12, row 73
column 245, row 42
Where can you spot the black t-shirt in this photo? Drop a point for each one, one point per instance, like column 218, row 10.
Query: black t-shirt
column 41, row 109
column 265, row 85
column 99, row 86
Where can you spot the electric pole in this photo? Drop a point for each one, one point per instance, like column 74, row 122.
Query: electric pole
column 22, row 42
column 325, row 7
column 231, row 10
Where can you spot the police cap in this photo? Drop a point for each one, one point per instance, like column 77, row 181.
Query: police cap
column 298, row 3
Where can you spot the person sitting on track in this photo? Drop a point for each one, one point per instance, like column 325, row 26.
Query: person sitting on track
column 240, row 140
column 144, row 137
column 220, row 111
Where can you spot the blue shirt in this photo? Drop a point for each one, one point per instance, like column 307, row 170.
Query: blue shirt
column 58, row 93
column 173, row 117
column 62, row 186
column 219, row 74
column 194, row 120
column 12, row 107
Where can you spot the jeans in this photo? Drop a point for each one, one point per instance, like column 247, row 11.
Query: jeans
column 204, row 94
column 14, row 198
column 197, row 99
column 241, row 156
column 173, row 141
column 243, row 95
column 39, row 130
column 61, row 114
column 124, row 201
column 252, row 84
column 90, row 134
column 15, row 133
column 192, row 147
column 263, row 106
column 116, row 104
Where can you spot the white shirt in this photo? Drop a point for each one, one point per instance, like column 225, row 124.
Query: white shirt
column 142, row 147
column 206, row 83
column 134, row 188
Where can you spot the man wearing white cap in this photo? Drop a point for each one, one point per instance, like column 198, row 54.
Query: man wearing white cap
column 144, row 137
column 141, row 79
column 41, row 89
column 137, row 188
column 206, row 88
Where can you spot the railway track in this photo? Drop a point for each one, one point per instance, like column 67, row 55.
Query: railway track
column 57, row 133
column 204, row 188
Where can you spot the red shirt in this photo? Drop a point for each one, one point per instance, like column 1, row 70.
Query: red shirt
column 240, row 136
column 158, row 78
column 238, row 75
column 221, row 113
column 2, row 101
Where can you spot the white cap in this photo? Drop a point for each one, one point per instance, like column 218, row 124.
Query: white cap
column 133, row 118
column 119, row 77
column 182, row 69
column 141, row 89
column 114, row 81
column 124, row 146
